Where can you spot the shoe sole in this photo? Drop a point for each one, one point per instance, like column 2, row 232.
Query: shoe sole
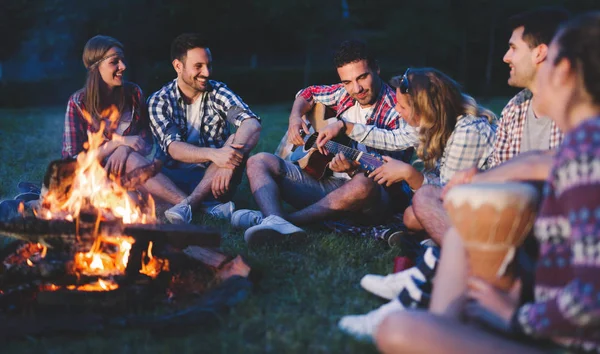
column 270, row 236
column 175, row 219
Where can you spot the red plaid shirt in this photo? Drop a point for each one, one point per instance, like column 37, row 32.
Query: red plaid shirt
column 337, row 98
column 76, row 127
column 510, row 129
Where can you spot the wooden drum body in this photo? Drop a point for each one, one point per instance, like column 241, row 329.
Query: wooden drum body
column 493, row 220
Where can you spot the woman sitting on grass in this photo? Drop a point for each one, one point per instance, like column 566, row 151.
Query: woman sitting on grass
column 455, row 133
column 129, row 139
column 565, row 314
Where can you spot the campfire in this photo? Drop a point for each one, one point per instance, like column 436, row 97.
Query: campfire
column 95, row 233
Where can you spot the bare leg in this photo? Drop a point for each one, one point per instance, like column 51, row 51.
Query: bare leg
column 203, row 190
column 353, row 196
column 450, row 282
column 423, row 332
column 429, row 210
column 410, row 220
column 159, row 186
column 263, row 171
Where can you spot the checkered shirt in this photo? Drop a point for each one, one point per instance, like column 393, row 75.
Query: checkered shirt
column 511, row 126
column 169, row 122
column 76, row 127
column 382, row 116
column 470, row 145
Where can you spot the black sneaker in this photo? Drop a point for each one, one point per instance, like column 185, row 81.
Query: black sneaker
column 28, row 187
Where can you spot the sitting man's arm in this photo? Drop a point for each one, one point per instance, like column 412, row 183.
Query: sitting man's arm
column 528, row 166
column 531, row 165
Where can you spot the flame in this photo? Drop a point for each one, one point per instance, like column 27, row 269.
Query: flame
column 92, row 187
column 29, row 262
column 108, row 256
column 21, row 208
column 154, row 265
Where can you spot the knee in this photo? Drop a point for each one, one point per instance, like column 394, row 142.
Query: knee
column 426, row 196
column 257, row 162
column 410, row 220
column 363, row 187
column 395, row 333
column 263, row 163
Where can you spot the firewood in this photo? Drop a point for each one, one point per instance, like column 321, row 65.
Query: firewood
column 235, row 267
column 135, row 178
column 207, row 256
column 178, row 236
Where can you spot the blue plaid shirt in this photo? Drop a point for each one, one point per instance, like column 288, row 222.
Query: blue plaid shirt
column 221, row 106
column 470, row 145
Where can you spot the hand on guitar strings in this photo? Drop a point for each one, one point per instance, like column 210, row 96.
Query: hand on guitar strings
column 491, row 306
column 296, row 124
column 392, row 171
column 229, row 156
column 327, row 133
column 340, row 163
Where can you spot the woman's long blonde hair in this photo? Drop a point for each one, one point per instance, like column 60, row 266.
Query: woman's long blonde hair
column 439, row 102
column 93, row 53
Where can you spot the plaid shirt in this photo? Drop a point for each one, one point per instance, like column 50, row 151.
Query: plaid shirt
column 470, row 145
column 510, row 129
column 382, row 116
column 169, row 122
column 76, row 127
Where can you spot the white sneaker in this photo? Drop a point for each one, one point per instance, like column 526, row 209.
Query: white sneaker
column 364, row 326
column 272, row 229
column 222, row 211
column 179, row 213
column 245, row 218
column 390, row 286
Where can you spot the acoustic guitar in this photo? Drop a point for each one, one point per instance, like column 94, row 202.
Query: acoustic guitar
column 315, row 164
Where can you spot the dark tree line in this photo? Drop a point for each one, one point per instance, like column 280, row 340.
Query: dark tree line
column 282, row 45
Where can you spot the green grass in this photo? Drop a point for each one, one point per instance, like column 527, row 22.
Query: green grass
column 295, row 307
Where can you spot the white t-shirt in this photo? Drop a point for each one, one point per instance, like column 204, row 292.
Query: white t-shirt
column 359, row 115
column 193, row 113
column 124, row 122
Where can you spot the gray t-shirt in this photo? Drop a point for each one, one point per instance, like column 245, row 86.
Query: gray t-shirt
column 536, row 132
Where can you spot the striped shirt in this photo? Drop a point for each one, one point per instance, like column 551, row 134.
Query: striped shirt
column 567, row 283
column 511, row 126
column 382, row 116
column 169, row 122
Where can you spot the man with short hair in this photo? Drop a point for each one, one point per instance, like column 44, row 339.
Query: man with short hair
column 190, row 117
column 520, row 131
column 361, row 97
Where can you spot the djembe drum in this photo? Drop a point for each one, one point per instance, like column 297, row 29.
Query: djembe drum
column 493, row 220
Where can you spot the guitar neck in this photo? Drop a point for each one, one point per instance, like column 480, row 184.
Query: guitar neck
column 367, row 160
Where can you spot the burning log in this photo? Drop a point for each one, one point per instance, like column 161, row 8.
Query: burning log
column 59, row 177
column 236, row 267
column 135, row 178
column 178, row 236
column 207, row 256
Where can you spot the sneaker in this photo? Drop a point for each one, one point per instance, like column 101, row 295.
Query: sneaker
column 246, row 218
column 395, row 238
column 363, row 326
column 222, row 211
column 390, row 286
column 179, row 213
column 272, row 229
column 428, row 243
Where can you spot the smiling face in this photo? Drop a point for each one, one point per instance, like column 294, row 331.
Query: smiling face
column 360, row 81
column 195, row 71
column 111, row 69
column 521, row 60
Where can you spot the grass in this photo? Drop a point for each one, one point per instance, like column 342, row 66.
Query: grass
column 304, row 290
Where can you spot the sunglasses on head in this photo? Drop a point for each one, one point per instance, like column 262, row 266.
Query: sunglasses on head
column 404, row 83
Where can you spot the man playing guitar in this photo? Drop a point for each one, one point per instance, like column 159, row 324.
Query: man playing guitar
column 361, row 97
